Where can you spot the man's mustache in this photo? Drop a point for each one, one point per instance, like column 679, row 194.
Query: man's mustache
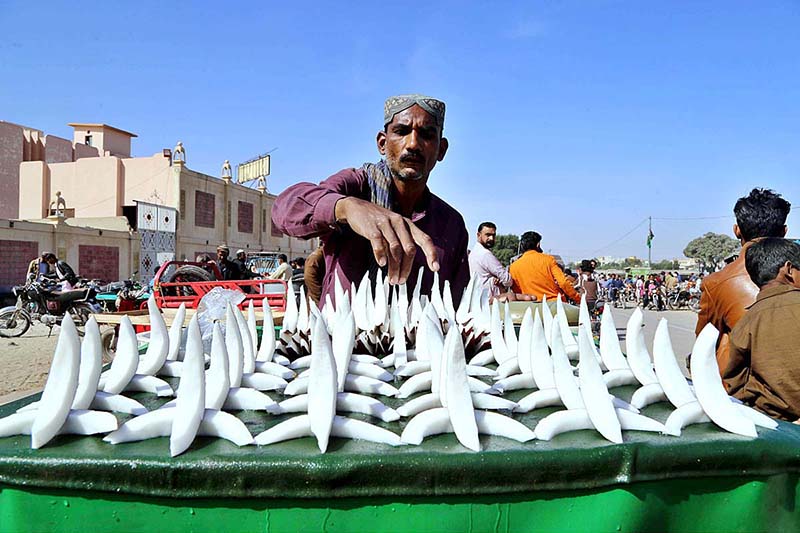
column 410, row 158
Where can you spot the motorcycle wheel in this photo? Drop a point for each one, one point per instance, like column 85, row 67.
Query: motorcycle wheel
column 186, row 274
column 108, row 340
column 80, row 313
column 14, row 323
column 694, row 303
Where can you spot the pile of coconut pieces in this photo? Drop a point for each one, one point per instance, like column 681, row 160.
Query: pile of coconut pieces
column 345, row 356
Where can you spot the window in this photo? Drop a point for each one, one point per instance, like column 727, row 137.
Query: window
column 263, row 220
column 204, row 209
column 275, row 231
column 87, row 140
column 183, row 204
column 228, row 214
column 245, row 217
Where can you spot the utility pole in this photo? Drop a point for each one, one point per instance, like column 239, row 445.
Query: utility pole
column 649, row 242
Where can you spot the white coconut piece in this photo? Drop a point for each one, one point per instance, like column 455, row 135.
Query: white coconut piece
column 158, row 345
column 541, row 363
column 667, row 370
column 610, row 350
column 189, row 408
column 123, row 367
column 234, row 348
column 709, row 389
column 176, row 333
column 594, row 392
column 638, row 356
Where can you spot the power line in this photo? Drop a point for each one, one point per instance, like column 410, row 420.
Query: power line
column 692, row 218
column 637, row 226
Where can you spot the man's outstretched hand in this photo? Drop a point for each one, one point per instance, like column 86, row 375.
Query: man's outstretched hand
column 393, row 237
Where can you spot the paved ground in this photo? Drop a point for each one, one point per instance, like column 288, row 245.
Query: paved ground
column 681, row 330
column 25, row 361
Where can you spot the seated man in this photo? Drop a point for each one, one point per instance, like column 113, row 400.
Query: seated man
column 61, row 272
column 764, row 369
column 38, row 267
column 298, row 265
column 615, row 285
column 725, row 294
column 225, row 265
column 537, row 274
column 283, row 270
column 242, row 271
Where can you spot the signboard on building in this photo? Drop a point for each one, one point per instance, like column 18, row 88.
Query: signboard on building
column 156, row 225
column 253, row 169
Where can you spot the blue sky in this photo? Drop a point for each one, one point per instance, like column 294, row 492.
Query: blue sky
column 575, row 119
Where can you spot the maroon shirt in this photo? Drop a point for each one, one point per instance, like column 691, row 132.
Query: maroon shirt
column 306, row 210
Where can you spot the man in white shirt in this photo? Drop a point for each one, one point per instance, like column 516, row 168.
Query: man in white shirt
column 283, row 271
column 484, row 265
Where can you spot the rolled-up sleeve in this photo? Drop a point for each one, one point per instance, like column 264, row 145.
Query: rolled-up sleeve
column 305, row 210
column 563, row 282
column 496, row 269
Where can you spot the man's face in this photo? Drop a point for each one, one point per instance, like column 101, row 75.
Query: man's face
column 222, row 254
column 412, row 144
column 486, row 237
column 241, row 257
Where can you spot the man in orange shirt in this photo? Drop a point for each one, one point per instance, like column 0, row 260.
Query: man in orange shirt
column 537, row 274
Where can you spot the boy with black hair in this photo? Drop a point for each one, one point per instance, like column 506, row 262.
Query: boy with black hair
column 764, row 366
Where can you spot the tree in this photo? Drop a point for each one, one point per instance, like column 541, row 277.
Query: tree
column 666, row 264
column 711, row 248
column 505, row 247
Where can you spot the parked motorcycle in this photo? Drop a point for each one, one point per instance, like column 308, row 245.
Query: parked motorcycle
column 683, row 299
column 125, row 295
column 596, row 314
column 40, row 301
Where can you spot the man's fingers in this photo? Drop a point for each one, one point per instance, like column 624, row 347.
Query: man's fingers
column 395, row 248
column 407, row 248
column 379, row 247
column 425, row 242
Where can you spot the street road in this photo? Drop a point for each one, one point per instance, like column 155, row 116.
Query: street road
column 681, row 330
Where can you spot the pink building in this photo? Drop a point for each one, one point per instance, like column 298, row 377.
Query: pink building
column 22, row 143
column 104, row 189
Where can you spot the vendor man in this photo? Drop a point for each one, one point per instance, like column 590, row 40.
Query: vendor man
column 537, row 274
column 383, row 215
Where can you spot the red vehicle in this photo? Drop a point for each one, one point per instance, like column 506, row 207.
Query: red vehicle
column 184, row 282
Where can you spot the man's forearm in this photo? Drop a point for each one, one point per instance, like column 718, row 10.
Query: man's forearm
column 306, row 210
column 497, row 270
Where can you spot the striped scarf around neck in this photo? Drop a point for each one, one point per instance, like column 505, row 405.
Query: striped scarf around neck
column 379, row 178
